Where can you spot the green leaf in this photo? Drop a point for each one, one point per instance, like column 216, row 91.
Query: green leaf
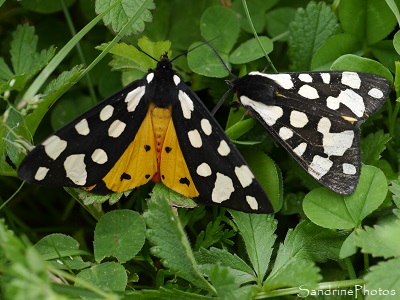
column 277, row 22
column 396, row 42
column 258, row 235
column 346, row 212
column 220, row 25
column 373, row 145
column 368, row 20
column 5, row 71
column 213, row 234
column 333, row 48
column 240, row 128
column 119, row 233
column 174, row 198
column 295, row 273
column 349, row 247
column 170, row 242
column 309, row 30
column 165, row 294
column 25, row 60
column 224, row 283
column 386, row 54
column 251, row 50
column 384, row 279
column 123, row 12
column 381, row 240
column 394, row 188
column 239, row 269
column 108, row 276
column 61, row 251
column 360, row 64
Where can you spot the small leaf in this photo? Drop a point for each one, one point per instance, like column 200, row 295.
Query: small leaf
column 258, row 235
column 109, row 276
column 123, row 12
column 381, row 240
column 384, row 279
column 277, row 22
column 349, row 247
column 251, row 50
column 309, row 30
column 61, row 251
column 119, row 233
column 174, row 198
column 241, row 271
column 170, row 242
column 346, row 212
column 373, row 145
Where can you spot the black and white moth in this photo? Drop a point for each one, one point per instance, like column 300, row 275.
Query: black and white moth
column 316, row 117
column 156, row 128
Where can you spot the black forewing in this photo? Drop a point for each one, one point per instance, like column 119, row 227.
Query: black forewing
column 208, row 154
column 267, row 91
column 86, row 144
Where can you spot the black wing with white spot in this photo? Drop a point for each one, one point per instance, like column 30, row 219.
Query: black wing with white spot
column 316, row 117
column 82, row 152
column 218, row 170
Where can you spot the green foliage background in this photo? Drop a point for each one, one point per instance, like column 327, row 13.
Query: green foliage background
column 58, row 244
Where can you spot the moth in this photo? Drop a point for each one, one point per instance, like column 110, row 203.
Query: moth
column 316, row 117
column 154, row 129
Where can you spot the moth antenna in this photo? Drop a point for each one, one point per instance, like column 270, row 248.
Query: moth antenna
column 190, row 50
column 222, row 100
column 219, row 57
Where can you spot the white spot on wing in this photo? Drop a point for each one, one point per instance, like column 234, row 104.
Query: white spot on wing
column 133, row 98
column 300, row 149
column 285, row 133
column 75, row 168
column 305, row 77
column 116, row 128
column 223, row 188
column 223, row 148
column 252, row 202
column 349, row 169
column 269, row 113
column 375, row 93
column 349, row 98
column 326, row 78
column 334, row 143
column 54, row 146
column 319, row 166
column 298, row 119
column 308, row 92
column 206, row 126
column 244, row 175
column 186, row 104
column 177, row 80
column 82, row 127
column 195, row 138
column 282, row 79
column 99, row 156
column 351, row 79
column 204, row 170
column 41, row 173
column 106, row 112
column 150, row 77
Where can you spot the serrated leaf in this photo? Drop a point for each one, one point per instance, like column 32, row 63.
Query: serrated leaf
column 61, row 251
column 120, row 234
column 394, row 188
column 293, row 274
column 123, row 12
column 373, row 145
column 251, row 50
column 347, row 211
column 25, row 60
column 381, row 240
column 108, row 276
column 174, row 198
column 241, row 271
column 170, row 242
column 384, row 279
column 258, row 235
column 224, row 283
column 5, row 71
column 309, row 30
column 368, row 20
